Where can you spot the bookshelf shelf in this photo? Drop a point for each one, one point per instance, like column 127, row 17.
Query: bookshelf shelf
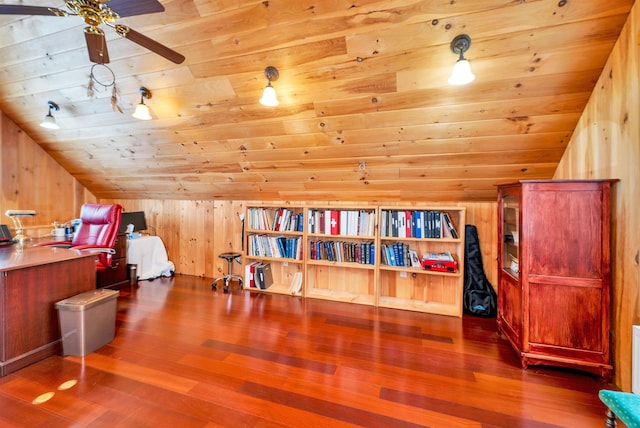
column 274, row 232
column 341, row 255
column 274, row 259
column 418, row 271
column 345, row 265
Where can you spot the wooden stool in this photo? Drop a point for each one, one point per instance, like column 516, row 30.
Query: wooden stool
column 229, row 257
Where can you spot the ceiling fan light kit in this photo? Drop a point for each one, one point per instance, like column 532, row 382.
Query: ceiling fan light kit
column 97, row 12
column 269, row 96
column 142, row 111
column 49, row 121
column 461, row 74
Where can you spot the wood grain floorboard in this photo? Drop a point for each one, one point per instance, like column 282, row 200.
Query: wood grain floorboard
column 187, row 356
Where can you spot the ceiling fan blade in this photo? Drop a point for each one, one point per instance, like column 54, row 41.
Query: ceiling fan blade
column 137, row 7
column 15, row 9
column 150, row 44
column 96, row 45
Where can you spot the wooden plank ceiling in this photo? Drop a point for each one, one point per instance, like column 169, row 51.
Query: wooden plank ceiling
column 365, row 111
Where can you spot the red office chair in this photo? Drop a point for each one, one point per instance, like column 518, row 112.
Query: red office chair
column 97, row 232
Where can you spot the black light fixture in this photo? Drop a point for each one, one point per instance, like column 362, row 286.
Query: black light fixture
column 461, row 74
column 269, row 97
column 142, row 111
column 49, row 121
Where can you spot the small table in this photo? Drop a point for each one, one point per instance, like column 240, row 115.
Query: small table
column 150, row 256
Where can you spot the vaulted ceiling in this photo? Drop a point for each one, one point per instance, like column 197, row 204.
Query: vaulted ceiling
column 365, row 111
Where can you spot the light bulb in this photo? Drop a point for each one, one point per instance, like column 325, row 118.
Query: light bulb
column 461, row 74
column 49, row 122
column 142, row 112
column 269, row 97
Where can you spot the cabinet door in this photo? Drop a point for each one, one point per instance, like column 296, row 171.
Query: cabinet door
column 565, row 319
column 565, row 271
column 510, row 308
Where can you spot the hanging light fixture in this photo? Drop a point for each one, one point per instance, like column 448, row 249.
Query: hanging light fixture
column 461, row 74
column 142, row 111
column 269, row 97
column 49, row 121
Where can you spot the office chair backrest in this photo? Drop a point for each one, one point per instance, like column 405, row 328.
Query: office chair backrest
column 100, row 224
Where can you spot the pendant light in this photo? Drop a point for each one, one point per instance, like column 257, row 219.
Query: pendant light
column 269, row 97
column 461, row 74
column 49, row 121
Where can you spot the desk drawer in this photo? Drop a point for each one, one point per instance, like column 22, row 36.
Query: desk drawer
column 115, row 274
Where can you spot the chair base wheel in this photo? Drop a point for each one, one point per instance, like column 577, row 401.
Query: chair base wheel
column 227, row 280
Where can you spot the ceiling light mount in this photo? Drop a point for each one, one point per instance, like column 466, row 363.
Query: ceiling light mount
column 269, row 97
column 144, row 93
column 52, row 106
column 271, row 73
column 461, row 74
column 460, row 44
column 49, row 121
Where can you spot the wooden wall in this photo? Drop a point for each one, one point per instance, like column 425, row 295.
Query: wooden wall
column 31, row 179
column 195, row 232
column 606, row 144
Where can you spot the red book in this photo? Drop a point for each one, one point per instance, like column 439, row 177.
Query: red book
column 407, row 225
column 335, row 222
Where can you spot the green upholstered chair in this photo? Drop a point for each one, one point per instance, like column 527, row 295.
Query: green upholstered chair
column 623, row 405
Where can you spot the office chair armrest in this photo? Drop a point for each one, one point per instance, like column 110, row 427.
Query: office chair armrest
column 95, row 249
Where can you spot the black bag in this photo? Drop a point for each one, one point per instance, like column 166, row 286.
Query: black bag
column 479, row 297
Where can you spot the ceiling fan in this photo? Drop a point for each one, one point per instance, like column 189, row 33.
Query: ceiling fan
column 97, row 12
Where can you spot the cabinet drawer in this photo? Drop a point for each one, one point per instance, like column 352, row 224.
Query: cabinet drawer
column 114, row 274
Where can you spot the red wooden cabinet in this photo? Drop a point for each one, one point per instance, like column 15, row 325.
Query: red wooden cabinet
column 554, row 277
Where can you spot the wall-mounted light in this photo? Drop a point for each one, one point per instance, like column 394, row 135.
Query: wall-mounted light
column 461, row 74
column 269, row 97
column 49, row 121
column 142, row 111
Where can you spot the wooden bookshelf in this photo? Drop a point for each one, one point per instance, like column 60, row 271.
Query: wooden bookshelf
column 342, row 259
column 341, row 253
column 422, row 230
column 275, row 235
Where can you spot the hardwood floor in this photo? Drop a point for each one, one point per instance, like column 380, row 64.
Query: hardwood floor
column 187, row 356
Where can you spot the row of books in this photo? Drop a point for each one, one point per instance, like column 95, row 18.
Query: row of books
column 259, row 245
column 399, row 254
column 340, row 251
column 417, row 224
column 342, row 222
column 278, row 219
column 258, row 275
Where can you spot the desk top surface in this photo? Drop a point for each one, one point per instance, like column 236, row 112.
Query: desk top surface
column 17, row 257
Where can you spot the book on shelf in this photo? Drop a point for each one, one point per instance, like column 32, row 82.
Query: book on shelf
column 431, row 224
column 415, row 261
column 263, row 276
column 449, row 229
column 296, row 283
column 341, row 222
column 249, row 274
column 442, row 256
column 399, row 254
column 274, row 219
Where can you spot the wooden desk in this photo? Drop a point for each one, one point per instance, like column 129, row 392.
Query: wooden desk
column 32, row 280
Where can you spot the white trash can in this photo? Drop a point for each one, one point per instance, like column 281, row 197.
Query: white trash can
column 87, row 321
